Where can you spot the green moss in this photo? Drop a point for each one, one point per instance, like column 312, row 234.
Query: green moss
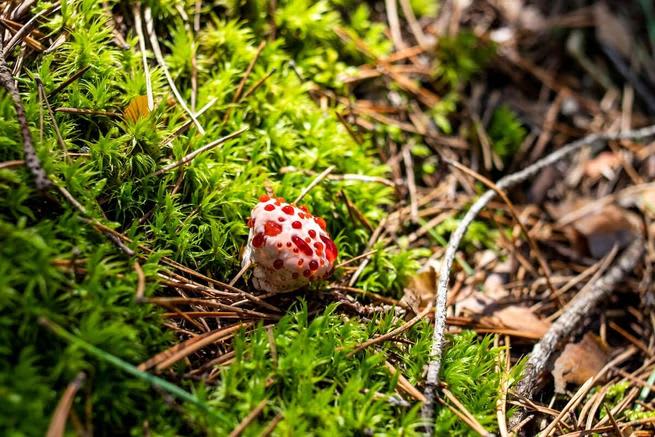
column 506, row 132
column 53, row 264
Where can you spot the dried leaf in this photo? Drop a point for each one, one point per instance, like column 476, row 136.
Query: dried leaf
column 421, row 289
column 602, row 165
column 137, row 109
column 489, row 310
column 597, row 232
column 522, row 319
column 579, row 362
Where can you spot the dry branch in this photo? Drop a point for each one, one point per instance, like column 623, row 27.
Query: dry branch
column 574, row 314
column 31, row 159
column 432, row 380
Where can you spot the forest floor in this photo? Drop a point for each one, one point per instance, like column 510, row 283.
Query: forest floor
column 484, row 167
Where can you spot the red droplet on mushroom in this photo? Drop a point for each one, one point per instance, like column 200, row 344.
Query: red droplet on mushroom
column 269, row 207
column 313, row 265
column 304, row 208
column 306, row 273
column 320, row 222
column 319, row 248
column 288, row 209
column 272, row 229
column 302, row 245
column 296, row 224
column 281, row 219
column 301, row 215
column 264, row 198
column 278, row 263
column 289, row 244
column 312, row 233
column 280, row 199
column 251, row 222
column 279, row 245
column 258, row 240
column 300, row 261
column 330, row 248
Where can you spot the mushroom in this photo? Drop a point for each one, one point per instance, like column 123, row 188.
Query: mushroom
column 287, row 246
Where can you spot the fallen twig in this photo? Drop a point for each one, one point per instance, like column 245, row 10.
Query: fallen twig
column 154, row 43
column 31, row 159
column 57, row 425
column 249, row 418
column 197, row 152
column 391, row 334
column 317, row 180
column 432, row 380
column 573, row 315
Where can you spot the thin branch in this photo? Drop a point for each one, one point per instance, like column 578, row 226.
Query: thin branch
column 248, row 419
column 27, row 27
column 57, row 425
column 79, row 73
column 257, row 84
column 154, row 43
column 141, row 282
column 513, row 212
column 55, row 125
column 393, row 333
column 243, row 270
column 12, row 164
column 84, row 111
column 317, row 180
column 432, row 380
column 414, row 25
column 411, row 183
column 246, row 75
column 31, row 158
column 138, row 27
column 394, row 24
column 197, row 152
column 574, row 314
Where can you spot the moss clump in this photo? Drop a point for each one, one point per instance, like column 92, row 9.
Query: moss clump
column 54, row 264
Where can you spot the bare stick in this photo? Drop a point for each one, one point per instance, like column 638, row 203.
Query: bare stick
column 394, row 24
column 432, row 380
column 31, row 159
column 243, row 270
column 79, row 73
column 391, row 334
column 27, row 28
column 55, row 125
column 248, row 419
column 411, row 183
column 414, row 24
column 246, row 75
column 150, row 30
column 574, row 314
column 314, row 183
column 142, row 48
column 141, row 282
column 514, row 213
column 197, row 152
column 257, row 84
column 59, row 417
